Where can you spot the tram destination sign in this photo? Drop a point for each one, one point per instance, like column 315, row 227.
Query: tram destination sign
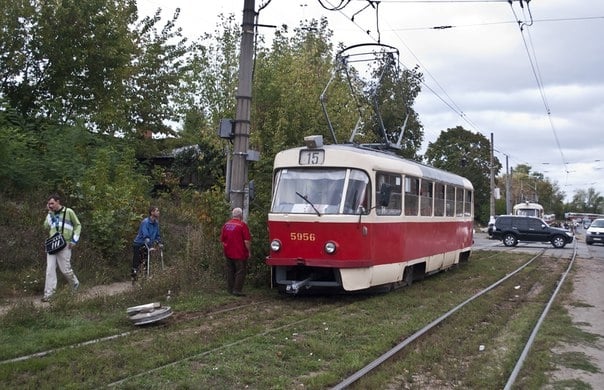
column 311, row 157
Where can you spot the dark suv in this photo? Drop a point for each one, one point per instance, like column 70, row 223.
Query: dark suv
column 513, row 228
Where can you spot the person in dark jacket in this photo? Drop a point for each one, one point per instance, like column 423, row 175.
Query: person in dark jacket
column 148, row 234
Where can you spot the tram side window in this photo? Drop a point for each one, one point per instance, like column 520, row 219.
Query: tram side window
column 439, row 199
column 411, row 195
column 426, row 197
column 388, row 196
column 450, row 201
column 459, row 202
column 468, row 204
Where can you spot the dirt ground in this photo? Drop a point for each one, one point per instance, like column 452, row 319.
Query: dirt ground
column 588, row 290
column 84, row 293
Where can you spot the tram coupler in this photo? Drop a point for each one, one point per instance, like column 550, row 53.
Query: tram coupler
column 295, row 286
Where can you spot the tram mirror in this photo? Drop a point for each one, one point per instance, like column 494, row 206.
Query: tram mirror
column 385, row 191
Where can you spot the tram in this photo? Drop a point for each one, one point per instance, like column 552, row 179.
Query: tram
column 350, row 217
column 528, row 209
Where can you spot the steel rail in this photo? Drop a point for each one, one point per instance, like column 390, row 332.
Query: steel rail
column 531, row 339
column 389, row 354
column 117, row 335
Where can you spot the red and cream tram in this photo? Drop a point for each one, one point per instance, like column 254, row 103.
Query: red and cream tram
column 351, row 218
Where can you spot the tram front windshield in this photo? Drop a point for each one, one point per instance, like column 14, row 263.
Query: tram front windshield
column 320, row 191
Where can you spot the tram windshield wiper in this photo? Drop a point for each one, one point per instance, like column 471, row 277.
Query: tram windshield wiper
column 309, row 202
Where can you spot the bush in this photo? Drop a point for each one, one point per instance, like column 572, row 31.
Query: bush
column 112, row 198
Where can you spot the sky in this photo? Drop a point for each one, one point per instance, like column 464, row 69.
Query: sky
column 537, row 90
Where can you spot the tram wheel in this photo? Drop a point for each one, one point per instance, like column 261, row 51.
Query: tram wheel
column 408, row 276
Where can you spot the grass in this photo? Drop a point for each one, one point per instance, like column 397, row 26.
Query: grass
column 215, row 340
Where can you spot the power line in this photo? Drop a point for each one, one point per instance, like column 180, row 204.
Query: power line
column 448, row 27
column 532, row 56
column 442, row 95
column 450, row 102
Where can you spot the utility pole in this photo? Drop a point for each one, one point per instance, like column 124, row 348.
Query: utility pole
column 508, row 187
column 492, row 198
column 239, row 165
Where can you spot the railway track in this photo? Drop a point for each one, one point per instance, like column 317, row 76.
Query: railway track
column 267, row 314
column 180, row 319
column 205, row 339
column 408, row 342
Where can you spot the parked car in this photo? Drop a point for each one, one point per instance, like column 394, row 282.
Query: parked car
column 513, row 228
column 595, row 232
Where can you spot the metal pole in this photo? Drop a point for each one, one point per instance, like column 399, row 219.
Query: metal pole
column 508, row 188
column 492, row 198
column 239, row 173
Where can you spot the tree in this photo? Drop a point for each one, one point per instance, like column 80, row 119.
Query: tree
column 211, row 77
column 89, row 62
column 467, row 154
column 20, row 166
column 535, row 187
column 155, row 77
column 70, row 55
column 587, row 201
column 288, row 81
column 393, row 99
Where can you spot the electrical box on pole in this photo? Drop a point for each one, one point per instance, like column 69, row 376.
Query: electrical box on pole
column 226, row 129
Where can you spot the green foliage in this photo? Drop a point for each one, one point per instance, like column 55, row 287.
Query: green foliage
column 211, row 78
column 19, row 168
column 467, row 154
column 90, row 62
column 395, row 95
column 111, row 196
column 288, row 81
column 201, row 164
column 525, row 185
column 155, row 75
column 587, row 201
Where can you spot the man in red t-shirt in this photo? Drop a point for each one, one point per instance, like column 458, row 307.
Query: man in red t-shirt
column 236, row 243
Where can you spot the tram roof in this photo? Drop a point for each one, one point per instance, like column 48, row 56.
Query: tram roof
column 352, row 155
column 528, row 205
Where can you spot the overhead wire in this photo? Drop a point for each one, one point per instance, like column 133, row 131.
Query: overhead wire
column 446, row 27
column 444, row 97
column 448, row 100
column 532, row 57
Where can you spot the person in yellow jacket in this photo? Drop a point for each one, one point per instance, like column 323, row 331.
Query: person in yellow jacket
column 60, row 219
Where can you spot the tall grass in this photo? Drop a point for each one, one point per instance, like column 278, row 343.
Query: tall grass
column 190, row 223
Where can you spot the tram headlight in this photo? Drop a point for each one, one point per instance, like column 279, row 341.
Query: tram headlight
column 275, row 245
column 330, row 247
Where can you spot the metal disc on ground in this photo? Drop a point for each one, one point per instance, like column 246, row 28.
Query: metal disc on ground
column 149, row 313
column 143, row 308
